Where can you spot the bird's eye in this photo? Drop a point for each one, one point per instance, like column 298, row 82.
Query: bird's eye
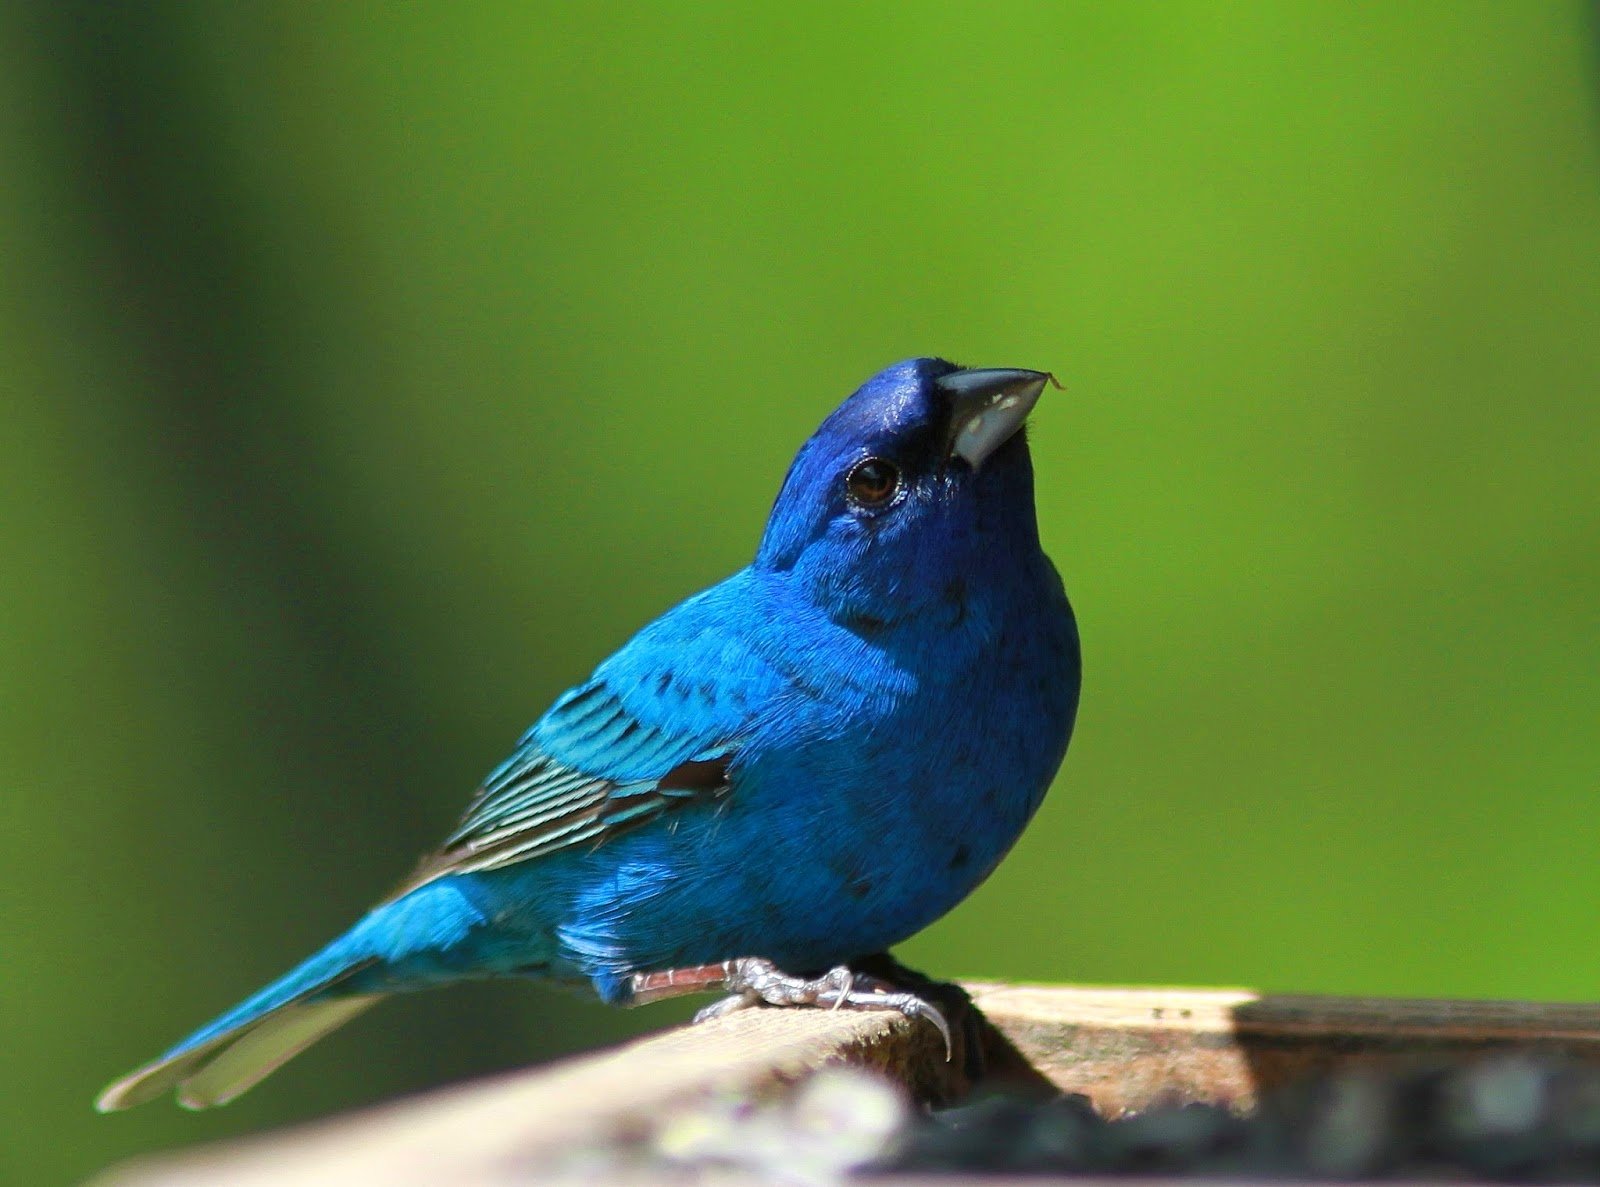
column 872, row 482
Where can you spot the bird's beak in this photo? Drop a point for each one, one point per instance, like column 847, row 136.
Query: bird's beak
column 987, row 406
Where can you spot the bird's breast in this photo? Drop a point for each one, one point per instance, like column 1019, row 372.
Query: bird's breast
column 895, row 795
column 869, row 795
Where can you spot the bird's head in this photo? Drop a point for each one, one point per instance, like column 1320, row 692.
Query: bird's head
column 918, row 485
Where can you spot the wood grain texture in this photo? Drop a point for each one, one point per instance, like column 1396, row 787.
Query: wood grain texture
column 1123, row 1048
column 503, row 1130
column 1126, row 1048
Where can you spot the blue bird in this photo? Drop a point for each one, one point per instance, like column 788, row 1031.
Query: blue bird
column 793, row 770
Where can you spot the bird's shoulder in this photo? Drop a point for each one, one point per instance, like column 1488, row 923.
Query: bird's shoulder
column 696, row 675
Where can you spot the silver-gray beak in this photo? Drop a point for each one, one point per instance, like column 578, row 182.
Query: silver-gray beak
column 987, row 406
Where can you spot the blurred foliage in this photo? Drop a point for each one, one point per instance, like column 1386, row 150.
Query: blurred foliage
column 372, row 371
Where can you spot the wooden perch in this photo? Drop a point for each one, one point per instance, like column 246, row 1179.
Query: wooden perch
column 492, row 1132
column 1126, row 1048
column 1123, row 1048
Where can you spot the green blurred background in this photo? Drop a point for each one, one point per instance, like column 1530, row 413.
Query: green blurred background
column 370, row 372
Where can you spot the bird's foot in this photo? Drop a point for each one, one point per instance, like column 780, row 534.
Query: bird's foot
column 754, row 981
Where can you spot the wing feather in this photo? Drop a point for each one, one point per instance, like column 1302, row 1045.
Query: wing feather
column 535, row 804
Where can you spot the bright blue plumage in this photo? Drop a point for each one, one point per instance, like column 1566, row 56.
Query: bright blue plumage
column 807, row 763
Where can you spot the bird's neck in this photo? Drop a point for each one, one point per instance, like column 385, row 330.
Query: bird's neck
column 960, row 593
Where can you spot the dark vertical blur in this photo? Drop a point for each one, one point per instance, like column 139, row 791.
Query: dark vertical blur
column 206, row 318
column 209, row 317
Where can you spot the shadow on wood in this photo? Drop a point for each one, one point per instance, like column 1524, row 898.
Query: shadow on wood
column 1127, row 1048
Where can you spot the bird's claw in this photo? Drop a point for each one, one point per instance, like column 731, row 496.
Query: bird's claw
column 756, row 981
column 731, row 1004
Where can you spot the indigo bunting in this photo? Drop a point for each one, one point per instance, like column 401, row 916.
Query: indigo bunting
column 792, row 770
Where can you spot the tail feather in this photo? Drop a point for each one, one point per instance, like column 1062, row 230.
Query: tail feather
column 215, row 1072
column 263, row 1049
column 222, row 1059
column 402, row 944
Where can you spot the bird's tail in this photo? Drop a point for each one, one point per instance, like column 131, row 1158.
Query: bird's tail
column 255, row 1038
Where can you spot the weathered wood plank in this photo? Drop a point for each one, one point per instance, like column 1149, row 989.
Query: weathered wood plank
column 1125, row 1048
column 499, row 1131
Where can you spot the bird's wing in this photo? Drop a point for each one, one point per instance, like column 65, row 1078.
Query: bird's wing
column 654, row 729
column 563, row 784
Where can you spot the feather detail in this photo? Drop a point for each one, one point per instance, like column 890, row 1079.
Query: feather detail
column 589, row 770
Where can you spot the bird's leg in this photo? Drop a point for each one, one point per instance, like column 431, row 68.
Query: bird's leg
column 754, row 980
column 872, row 993
column 658, row 986
column 751, row 981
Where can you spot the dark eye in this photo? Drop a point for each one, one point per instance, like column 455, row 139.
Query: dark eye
column 872, row 482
